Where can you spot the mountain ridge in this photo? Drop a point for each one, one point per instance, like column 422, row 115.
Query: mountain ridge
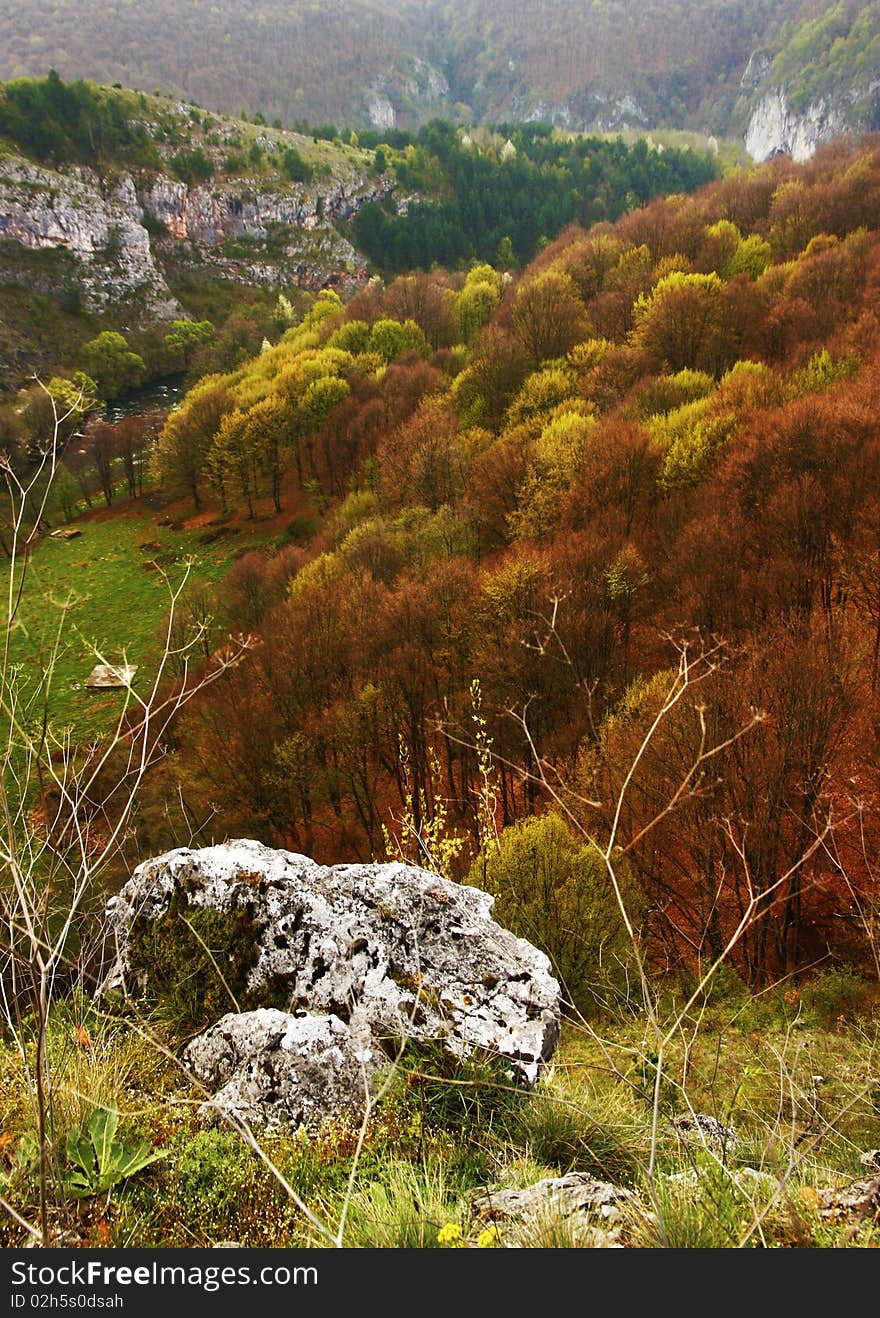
column 606, row 66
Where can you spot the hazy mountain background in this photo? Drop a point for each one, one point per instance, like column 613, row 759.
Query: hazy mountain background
column 706, row 65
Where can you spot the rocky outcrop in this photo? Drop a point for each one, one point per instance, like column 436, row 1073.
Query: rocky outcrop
column 389, row 953
column 595, row 1211
column 120, row 230
column 775, row 128
column 854, row 1203
column 701, row 1129
column 101, row 227
column 210, row 215
column 587, row 112
column 418, row 92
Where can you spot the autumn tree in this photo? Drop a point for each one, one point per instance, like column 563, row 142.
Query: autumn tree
column 102, row 450
column 547, row 317
column 181, row 453
column 681, row 323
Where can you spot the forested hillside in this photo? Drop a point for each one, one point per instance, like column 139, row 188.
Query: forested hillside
column 678, row 63
column 141, row 208
column 534, row 502
column 550, row 577
column 500, row 195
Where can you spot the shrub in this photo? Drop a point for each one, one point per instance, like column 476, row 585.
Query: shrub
column 836, row 993
column 556, row 891
column 296, row 169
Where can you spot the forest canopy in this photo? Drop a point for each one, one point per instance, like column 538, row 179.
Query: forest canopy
column 659, row 440
column 507, row 192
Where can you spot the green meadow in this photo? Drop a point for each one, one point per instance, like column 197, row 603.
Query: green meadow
column 105, row 596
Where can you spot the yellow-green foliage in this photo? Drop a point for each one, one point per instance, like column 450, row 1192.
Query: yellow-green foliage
column 751, row 257
column 690, row 437
column 560, row 447
column 624, row 578
column 319, row 397
column 542, row 390
column 749, row 384
column 466, row 399
column 705, row 285
column 517, row 588
column 726, row 237
column 632, row 272
column 477, row 300
column 276, row 399
column 667, row 392
column 680, row 321
column 111, row 363
column 74, row 399
column 183, row 446
column 821, row 372
column 412, row 539
column 391, row 339
column 692, row 384
column 737, row 255
column 555, row 890
column 327, row 303
column 358, row 506
column 592, row 352
column 300, row 337
column 353, row 336
column 320, row 575
column 251, row 390
column 557, row 454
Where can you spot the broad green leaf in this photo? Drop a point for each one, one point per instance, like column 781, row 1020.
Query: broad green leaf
column 102, row 1129
column 132, row 1158
column 81, row 1152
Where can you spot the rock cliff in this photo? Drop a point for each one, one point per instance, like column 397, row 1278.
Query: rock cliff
column 774, row 127
column 121, row 229
column 100, row 225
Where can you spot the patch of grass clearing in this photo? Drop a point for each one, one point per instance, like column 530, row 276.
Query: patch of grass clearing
column 103, row 597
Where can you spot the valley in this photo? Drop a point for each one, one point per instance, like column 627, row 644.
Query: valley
column 477, row 520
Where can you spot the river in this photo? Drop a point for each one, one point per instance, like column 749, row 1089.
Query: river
column 160, row 393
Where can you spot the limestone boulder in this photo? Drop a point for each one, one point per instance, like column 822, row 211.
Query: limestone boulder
column 270, row 1068
column 597, row 1212
column 406, row 954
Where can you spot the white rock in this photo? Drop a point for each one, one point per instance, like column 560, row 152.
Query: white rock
column 774, row 127
column 397, row 948
column 275, row 1069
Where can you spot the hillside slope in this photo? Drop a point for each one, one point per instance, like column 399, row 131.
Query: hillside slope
column 783, row 75
column 108, row 199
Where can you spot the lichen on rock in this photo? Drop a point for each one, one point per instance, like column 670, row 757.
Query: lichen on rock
column 271, row 1068
column 405, row 954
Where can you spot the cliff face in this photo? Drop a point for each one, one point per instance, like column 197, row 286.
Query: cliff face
column 100, row 226
column 120, row 230
column 775, row 127
column 405, row 97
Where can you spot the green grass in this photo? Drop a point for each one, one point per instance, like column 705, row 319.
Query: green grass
column 422, row 1161
column 104, row 593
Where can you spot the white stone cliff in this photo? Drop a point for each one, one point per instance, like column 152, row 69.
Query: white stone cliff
column 105, row 222
column 774, row 127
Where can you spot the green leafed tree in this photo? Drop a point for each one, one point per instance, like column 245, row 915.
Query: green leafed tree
column 111, row 363
column 185, row 337
column 181, row 452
